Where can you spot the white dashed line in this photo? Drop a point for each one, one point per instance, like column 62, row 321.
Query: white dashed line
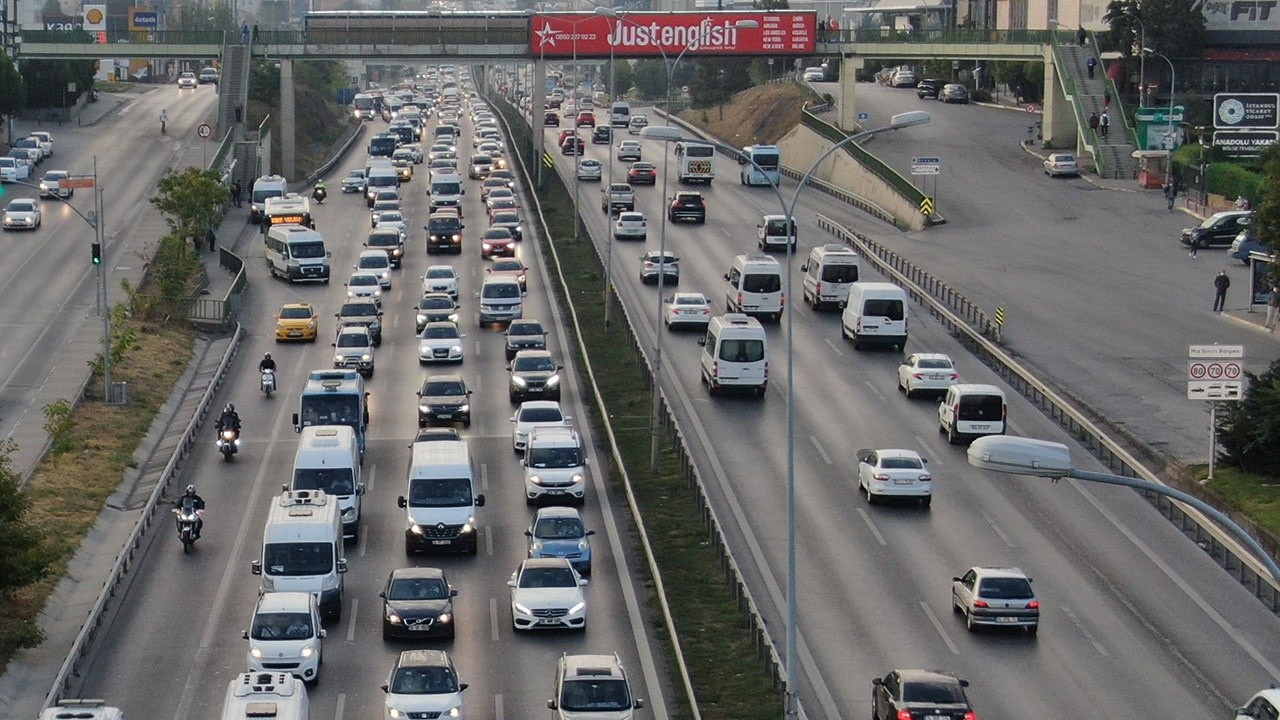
column 821, row 451
column 493, row 619
column 871, row 526
column 351, row 619
column 938, row 626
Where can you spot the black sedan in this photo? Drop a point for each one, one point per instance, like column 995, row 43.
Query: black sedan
column 444, row 399
column 417, row 603
column 1218, row 230
column 920, row 694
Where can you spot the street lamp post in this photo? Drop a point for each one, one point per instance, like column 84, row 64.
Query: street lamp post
column 668, row 134
column 1041, row 458
column 1173, row 82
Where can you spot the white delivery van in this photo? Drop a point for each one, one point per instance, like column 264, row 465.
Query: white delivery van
column 285, row 635
column 302, row 548
column 267, row 186
column 875, row 315
column 266, row 696
column 379, row 177
column 555, row 466
column 501, row 300
column 772, row 233
column 441, row 500
column 296, row 253
column 970, row 410
column 755, row 286
column 620, row 114
column 328, row 459
column 828, row 273
column 446, row 192
column 734, row 354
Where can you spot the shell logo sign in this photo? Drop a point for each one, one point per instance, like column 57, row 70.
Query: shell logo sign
column 95, row 18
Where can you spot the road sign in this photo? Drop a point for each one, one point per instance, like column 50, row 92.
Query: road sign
column 926, row 206
column 79, row 183
column 1236, row 111
column 205, row 130
column 863, row 117
column 925, row 165
column 1000, row 317
column 1031, row 109
column 1215, row 351
column 1244, row 143
column 1215, row 372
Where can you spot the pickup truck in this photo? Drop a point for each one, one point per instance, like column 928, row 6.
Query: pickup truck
column 617, row 197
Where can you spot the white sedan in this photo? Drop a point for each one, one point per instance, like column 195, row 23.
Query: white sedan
column 894, row 474
column 630, row 226
column 546, row 594
column 364, row 284
column 187, row 81
column 441, row 279
column 391, row 218
column 535, row 414
column 1061, row 164
column 590, row 169
column 440, row 341
column 927, row 373
column 687, row 309
column 22, row 214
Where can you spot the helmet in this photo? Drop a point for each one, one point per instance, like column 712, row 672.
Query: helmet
column 191, row 489
column 267, row 356
column 230, row 408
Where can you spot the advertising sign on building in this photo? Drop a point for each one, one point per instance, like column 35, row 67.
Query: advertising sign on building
column 1256, row 111
column 1244, row 143
column 63, row 22
column 1238, row 15
column 95, row 18
column 565, row 35
column 142, row 20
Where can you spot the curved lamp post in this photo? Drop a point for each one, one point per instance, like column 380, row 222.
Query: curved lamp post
column 1173, row 82
column 670, row 134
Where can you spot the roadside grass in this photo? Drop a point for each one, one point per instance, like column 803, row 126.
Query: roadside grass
column 729, row 677
column 93, row 448
column 1254, row 496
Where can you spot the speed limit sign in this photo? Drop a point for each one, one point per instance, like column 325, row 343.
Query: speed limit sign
column 205, row 131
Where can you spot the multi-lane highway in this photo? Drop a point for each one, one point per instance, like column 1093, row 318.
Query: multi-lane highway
column 176, row 642
column 1133, row 614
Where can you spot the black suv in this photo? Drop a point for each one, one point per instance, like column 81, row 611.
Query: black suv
column 444, row 399
column 602, row 135
column 929, row 88
column 534, row 375
column 1219, row 229
column 435, row 307
column 362, row 311
column 687, row 205
column 444, row 233
column 525, row 335
column 920, row 693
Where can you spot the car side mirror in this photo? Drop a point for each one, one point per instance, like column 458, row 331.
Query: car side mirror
column 400, row 502
column 480, row 501
column 342, row 565
column 639, row 703
column 256, row 567
column 702, row 341
column 244, row 634
column 726, row 276
column 384, row 688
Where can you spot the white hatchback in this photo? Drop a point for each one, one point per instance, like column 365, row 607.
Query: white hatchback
column 535, row 414
column 441, row 279
column 630, row 226
column 590, row 169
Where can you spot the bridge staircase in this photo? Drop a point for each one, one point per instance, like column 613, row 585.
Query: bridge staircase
column 1113, row 155
column 233, row 89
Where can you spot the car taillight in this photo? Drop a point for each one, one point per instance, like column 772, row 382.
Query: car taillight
column 955, row 376
column 970, row 715
column 739, row 301
column 882, row 477
column 715, row 368
column 917, row 376
column 1004, row 413
column 980, row 603
column 817, row 288
column 1033, row 605
column 904, row 715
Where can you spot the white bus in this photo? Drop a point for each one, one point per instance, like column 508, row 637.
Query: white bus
column 696, row 162
column 760, row 165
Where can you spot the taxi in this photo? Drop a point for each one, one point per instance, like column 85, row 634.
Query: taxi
column 297, row 321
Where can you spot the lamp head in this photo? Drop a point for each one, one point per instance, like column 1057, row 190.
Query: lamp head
column 907, row 119
column 661, row 133
column 1021, row 456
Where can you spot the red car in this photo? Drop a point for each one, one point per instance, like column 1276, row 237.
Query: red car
column 564, row 135
column 497, row 241
column 642, row 173
column 573, row 146
column 550, row 120
column 586, row 118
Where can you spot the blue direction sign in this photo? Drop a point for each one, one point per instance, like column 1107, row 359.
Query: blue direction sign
column 925, row 165
column 863, row 117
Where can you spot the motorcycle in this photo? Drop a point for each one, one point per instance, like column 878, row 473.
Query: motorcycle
column 319, row 195
column 188, row 522
column 268, row 382
column 228, row 442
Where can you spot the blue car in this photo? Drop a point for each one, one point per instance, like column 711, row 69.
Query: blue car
column 1246, row 243
column 558, row 532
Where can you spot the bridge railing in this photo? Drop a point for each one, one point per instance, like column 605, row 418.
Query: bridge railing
column 1069, row 89
column 954, row 35
column 127, row 37
column 398, row 36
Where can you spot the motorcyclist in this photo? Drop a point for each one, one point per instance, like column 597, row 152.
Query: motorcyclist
column 266, row 364
column 229, row 419
column 320, row 191
column 197, row 503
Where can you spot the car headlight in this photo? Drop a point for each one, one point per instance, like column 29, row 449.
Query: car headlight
column 376, row 293
column 577, row 608
column 44, row 187
column 445, row 618
column 536, row 547
column 338, row 359
column 521, row 608
column 416, row 529
column 279, row 325
column 308, row 651
column 455, row 711
column 366, row 357
column 311, row 324
column 424, row 407
column 396, row 713
column 351, row 293
column 422, row 319
column 392, row 617
column 453, row 317
column 385, row 276
column 469, row 526
column 577, row 478
column 255, row 652
column 535, row 479
column 584, row 545
column 518, row 381
column 349, row 514
column 455, row 350
column 555, row 380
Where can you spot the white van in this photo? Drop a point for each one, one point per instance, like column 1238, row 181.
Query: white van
column 828, row 274
column 734, row 354
column 328, row 459
column 970, row 410
column 297, row 253
column 302, row 548
column 266, row 696
column 772, row 233
column 620, row 114
column 555, row 466
column 441, row 500
column 501, row 300
column 285, row 635
column 755, row 286
column 875, row 315
column 446, row 192
column 267, row 186
column 379, row 177
column 81, row 709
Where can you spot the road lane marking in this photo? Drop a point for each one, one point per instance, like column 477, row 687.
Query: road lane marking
column 1075, row 620
column 873, row 389
column 373, row 471
column 488, row 540
column 351, row 619
column 493, row 619
column 484, row 476
column 342, row 706
column 996, row 528
column 871, row 526
column 938, row 626
column 834, row 349
column 497, row 707
column 821, row 451
column 363, row 540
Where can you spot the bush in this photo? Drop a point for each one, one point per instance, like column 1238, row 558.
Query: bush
column 1249, row 430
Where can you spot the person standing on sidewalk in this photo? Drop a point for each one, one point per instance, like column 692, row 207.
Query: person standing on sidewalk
column 1220, row 284
column 1170, row 192
column 1273, row 307
column 235, row 192
column 244, row 33
column 1093, row 122
column 1091, row 63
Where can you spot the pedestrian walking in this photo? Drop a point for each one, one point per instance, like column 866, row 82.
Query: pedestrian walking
column 1091, row 64
column 1106, row 97
column 244, row 33
column 1093, row 121
column 255, row 32
column 822, row 31
column 164, row 121
column 239, row 112
column 1081, row 36
column 1273, row 307
column 1195, row 245
column 235, row 192
column 211, row 239
column 1104, row 122
column 1170, row 192
column 1220, row 285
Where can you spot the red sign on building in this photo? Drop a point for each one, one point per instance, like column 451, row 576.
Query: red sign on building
column 586, row 35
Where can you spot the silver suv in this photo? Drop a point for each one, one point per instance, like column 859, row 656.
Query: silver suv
column 593, row 687
column 354, row 349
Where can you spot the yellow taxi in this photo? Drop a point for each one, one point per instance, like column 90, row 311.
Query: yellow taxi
column 297, row 321
column 404, row 169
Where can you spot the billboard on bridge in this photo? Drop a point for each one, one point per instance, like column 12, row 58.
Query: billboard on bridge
column 586, row 35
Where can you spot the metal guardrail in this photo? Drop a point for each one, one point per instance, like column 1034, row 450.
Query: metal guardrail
column 970, row 325
column 447, row 36
column 221, row 313
column 133, row 545
column 127, row 37
column 952, row 35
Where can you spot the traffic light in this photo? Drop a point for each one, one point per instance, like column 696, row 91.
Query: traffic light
column 97, row 253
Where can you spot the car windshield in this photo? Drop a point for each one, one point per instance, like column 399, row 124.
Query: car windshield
column 295, row 313
column 525, row 329
column 497, row 233
column 934, row 364
column 554, row 457
column 537, row 363
column 297, row 559
column 444, row 388
column 935, row 693
column 693, row 300
column 363, row 280
column 742, row 351
column 439, row 273
column 503, row 290
column 443, row 303
column 595, row 695
column 353, row 340
column 374, row 262
column 390, row 217
column 418, row 589
column 559, row 529
column 281, row 626
column 1005, row 589
column 508, row 266
column 307, row 250
column 384, row 238
column 333, row 481
column 359, row 310
column 541, row 415
column 900, row 463
column 440, row 332
column 423, row 681
column 547, row 577
column 504, row 218
column 439, row 492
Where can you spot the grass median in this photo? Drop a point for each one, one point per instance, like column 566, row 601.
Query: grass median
column 729, row 677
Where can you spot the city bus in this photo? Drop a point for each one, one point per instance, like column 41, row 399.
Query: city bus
column 760, row 165
column 334, row 397
column 696, row 162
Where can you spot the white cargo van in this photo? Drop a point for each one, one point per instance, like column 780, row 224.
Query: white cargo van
column 302, row 548
column 970, row 410
column 296, row 253
column 285, row 635
column 501, row 300
column 755, row 286
column 555, row 466
column 81, row 709
column 441, row 500
column 620, row 114
column 267, row 186
column 446, row 192
column 734, row 354
column 828, row 273
column 266, row 696
column 379, row 177
column 875, row 315
column 328, row 459
column 773, row 232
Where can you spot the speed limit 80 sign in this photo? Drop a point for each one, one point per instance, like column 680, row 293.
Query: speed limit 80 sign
column 1215, row 372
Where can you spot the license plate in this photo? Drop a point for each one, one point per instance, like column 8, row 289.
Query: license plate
column 899, row 481
column 1006, row 619
column 549, row 621
column 441, row 542
column 554, row 492
column 444, row 416
column 937, row 377
column 936, row 717
column 295, row 333
column 982, row 426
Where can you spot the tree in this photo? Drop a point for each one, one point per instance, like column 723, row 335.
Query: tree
column 1249, row 430
column 47, row 81
column 1266, row 206
column 13, row 89
column 1174, row 28
column 623, row 77
column 650, row 78
column 715, row 80
column 192, row 200
column 25, row 559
